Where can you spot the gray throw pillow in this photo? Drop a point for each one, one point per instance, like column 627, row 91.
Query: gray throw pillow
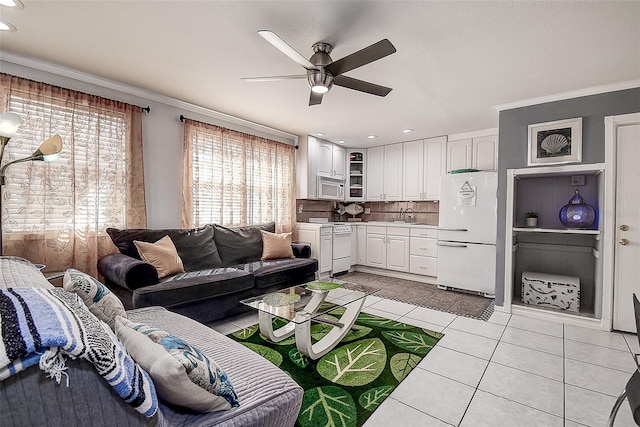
column 239, row 245
column 96, row 296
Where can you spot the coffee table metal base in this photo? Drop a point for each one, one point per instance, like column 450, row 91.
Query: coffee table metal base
column 301, row 326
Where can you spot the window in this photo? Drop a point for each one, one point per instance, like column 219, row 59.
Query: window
column 234, row 179
column 57, row 213
column 67, row 211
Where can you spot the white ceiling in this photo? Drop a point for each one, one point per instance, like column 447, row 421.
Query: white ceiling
column 455, row 61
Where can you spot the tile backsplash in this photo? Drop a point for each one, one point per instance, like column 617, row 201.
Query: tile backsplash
column 423, row 212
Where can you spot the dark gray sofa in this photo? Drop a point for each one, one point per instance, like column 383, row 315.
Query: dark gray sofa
column 222, row 266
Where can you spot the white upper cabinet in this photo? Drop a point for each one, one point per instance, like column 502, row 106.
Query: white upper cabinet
column 424, row 164
column 393, row 172
column 459, row 154
column 384, row 173
column 485, row 153
column 413, row 170
column 339, row 162
column 375, row 178
column 306, row 174
column 331, row 160
column 473, row 150
column 435, row 160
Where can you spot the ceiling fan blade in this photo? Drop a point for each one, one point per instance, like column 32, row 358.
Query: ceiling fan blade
column 362, row 57
column 315, row 98
column 273, row 78
column 360, row 85
column 283, row 47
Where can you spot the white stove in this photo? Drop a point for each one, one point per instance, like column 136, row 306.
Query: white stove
column 341, row 247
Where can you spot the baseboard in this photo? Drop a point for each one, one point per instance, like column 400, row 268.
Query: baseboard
column 397, row 274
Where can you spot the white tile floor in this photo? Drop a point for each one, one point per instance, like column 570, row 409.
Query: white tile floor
column 509, row 371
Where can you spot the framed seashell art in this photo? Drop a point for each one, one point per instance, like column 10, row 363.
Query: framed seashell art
column 556, row 142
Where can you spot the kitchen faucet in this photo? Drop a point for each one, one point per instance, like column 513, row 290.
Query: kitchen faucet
column 406, row 211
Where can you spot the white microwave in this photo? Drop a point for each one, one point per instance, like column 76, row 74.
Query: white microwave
column 330, row 189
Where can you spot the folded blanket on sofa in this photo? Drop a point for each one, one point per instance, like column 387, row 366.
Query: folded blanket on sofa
column 42, row 326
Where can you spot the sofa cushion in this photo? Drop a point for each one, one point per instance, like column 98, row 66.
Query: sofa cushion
column 98, row 299
column 279, row 271
column 196, row 246
column 162, row 255
column 182, row 373
column 193, row 286
column 275, row 246
column 238, row 245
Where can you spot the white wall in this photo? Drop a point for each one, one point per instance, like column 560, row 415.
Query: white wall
column 162, row 131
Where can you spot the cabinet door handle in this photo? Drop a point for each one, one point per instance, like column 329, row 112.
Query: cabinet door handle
column 451, row 245
column 424, row 249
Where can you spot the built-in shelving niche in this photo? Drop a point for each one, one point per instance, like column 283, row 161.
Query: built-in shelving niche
column 551, row 247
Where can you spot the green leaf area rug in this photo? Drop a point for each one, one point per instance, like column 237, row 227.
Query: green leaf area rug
column 345, row 386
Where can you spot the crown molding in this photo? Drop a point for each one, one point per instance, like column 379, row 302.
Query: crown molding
column 140, row 93
column 569, row 95
column 474, row 134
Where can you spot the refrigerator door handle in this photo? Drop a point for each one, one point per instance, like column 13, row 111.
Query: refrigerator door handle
column 451, row 245
column 452, row 229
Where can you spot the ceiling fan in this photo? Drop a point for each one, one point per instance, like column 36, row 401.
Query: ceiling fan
column 323, row 72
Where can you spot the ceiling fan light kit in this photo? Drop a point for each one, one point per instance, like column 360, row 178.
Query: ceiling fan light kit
column 323, row 72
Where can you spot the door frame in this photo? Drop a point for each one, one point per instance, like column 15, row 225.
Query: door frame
column 611, row 123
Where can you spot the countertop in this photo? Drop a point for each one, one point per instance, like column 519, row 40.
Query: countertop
column 376, row 223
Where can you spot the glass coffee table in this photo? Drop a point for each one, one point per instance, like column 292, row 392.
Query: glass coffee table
column 302, row 305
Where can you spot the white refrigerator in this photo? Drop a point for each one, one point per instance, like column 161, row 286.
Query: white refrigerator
column 467, row 232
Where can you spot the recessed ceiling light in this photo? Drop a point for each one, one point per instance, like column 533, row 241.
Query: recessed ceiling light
column 12, row 3
column 319, row 134
column 5, row 26
column 407, row 130
column 341, row 141
column 372, row 137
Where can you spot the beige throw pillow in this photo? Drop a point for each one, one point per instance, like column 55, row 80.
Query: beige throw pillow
column 162, row 255
column 276, row 246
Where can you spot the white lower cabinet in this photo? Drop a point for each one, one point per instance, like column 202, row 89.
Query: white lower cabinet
column 320, row 238
column 326, row 245
column 377, row 250
column 361, row 231
column 388, row 248
column 398, row 253
column 423, row 250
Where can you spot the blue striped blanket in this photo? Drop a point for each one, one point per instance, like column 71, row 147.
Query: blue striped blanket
column 45, row 326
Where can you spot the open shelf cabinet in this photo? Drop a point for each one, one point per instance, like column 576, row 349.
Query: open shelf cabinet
column 550, row 247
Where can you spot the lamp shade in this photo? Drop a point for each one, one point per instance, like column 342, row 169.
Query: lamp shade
column 9, row 124
column 50, row 147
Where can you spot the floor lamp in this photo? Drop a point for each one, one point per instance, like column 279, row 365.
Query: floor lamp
column 48, row 152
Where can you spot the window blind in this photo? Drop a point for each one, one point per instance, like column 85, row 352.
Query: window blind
column 240, row 179
column 93, row 150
